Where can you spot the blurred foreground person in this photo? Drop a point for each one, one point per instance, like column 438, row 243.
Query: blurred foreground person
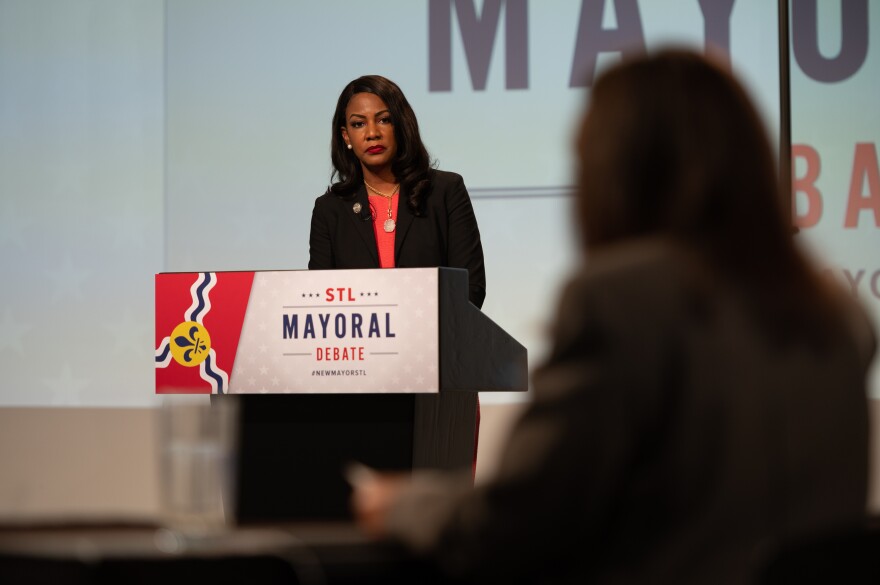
column 705, row 396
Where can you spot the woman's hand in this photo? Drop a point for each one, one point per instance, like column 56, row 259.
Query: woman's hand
column 373, row 495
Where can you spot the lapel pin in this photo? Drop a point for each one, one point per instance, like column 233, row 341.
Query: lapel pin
column 356, row 207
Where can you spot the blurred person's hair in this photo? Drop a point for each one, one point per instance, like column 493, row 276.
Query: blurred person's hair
column 672, row 145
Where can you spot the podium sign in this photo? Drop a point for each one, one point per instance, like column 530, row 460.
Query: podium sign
column 299, row 331
column 372, row 365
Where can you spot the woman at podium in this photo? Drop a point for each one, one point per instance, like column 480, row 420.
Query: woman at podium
column 388, row 207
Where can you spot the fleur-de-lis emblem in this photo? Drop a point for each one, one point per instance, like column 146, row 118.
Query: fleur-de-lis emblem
column 190, row 343
column 193, row 342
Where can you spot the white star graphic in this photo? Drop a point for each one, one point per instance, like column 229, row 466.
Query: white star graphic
column 12, row 331
column 65, row 387
column 130, row 335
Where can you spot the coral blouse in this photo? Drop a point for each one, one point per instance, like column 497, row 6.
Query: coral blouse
column 384, row 240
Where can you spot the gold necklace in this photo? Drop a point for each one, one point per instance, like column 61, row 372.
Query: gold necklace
column 389, row 224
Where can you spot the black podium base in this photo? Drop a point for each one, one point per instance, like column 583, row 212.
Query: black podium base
column 293, row 449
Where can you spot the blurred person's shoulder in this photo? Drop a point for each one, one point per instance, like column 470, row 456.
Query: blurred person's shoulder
column 644, row 268
column 657, row 280
column 859, row 323
column 649, row 281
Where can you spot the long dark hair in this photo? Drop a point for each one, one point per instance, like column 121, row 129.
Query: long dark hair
column 672, row 145
column 412, row 164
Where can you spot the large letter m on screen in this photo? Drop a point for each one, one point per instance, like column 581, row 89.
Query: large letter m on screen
column 478, row 37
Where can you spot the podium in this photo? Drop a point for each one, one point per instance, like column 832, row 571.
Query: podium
column 377, row 366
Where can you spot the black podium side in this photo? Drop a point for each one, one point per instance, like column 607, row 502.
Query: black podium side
column 293, row 447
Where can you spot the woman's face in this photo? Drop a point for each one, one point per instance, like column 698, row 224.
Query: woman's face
column 369, row 130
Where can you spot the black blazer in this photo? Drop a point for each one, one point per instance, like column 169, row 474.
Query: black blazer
column 446, row 234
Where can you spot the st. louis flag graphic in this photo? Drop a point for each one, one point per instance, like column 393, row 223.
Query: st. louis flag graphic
column 199, row 318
